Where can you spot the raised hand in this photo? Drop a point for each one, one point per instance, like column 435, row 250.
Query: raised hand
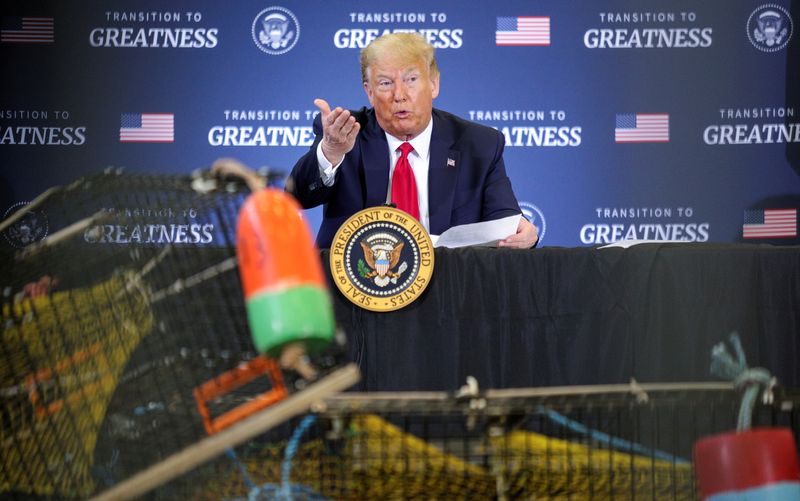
column 339, row 131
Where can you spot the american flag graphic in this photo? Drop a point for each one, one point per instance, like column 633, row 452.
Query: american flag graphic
column 642, row 128
column 27, row 30
column 523, row 30
column 147, row 128
column 770, row 223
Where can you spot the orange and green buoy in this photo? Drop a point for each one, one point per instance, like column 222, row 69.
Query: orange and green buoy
column 286, row 298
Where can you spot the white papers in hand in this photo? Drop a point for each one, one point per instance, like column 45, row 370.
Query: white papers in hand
column 485, row 233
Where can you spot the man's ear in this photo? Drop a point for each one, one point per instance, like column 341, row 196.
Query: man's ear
column 435, row 86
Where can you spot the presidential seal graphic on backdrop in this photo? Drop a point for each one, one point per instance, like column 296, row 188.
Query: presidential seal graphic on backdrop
column 30, row 228
column 275, row 30
column 381, row 259
column 769, row 28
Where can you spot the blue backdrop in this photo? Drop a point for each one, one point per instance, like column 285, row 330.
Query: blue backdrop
column 238, row 80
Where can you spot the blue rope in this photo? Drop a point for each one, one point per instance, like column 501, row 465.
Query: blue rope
column 751, row 379
column 291, row 450
column 616, row 442
column 242, row 468
column 286, row 491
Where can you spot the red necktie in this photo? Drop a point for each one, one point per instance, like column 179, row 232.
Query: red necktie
column 404, row 188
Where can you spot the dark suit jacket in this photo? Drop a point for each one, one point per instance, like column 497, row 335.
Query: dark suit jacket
column 467, row 180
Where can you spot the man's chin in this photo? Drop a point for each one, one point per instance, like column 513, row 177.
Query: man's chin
column 403, row 131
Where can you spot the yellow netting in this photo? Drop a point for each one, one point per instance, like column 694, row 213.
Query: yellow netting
column 63, row 354
column 530, row 463
column 380, row 461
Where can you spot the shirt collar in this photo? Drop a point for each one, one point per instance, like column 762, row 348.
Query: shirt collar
column 421, row 143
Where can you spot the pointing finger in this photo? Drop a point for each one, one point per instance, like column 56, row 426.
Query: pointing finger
column 323, row 106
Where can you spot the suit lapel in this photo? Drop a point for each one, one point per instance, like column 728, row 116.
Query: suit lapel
column 442, row 175
column 375, row 157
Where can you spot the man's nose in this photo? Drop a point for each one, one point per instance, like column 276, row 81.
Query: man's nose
column 400, row 93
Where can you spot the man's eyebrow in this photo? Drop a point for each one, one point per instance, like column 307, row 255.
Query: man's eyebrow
column 406, row 73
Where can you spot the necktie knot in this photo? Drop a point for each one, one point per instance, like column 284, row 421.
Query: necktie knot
column 405, row 149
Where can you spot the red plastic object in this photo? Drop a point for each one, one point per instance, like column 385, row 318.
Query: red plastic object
column 737, row 461
column 236, row 378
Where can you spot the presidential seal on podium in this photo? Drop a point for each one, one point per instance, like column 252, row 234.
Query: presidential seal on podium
column 381, row 259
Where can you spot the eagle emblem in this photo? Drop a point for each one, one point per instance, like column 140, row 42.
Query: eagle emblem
column 382, row 253
column 770, row 28
column 28, row 229
column 275, row 32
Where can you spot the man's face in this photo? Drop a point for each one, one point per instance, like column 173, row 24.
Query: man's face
column 402, row 96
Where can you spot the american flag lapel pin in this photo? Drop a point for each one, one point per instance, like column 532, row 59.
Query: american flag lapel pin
column 451, row 162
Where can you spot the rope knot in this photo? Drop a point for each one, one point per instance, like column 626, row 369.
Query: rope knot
column 750, row 380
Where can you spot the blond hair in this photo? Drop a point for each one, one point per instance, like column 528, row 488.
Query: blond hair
column 406, row 48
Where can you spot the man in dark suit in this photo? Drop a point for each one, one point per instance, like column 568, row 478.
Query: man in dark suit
column 457, row 166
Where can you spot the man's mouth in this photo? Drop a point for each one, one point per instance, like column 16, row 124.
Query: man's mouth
column 402, row 114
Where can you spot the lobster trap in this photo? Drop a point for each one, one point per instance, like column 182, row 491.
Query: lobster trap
column 125, row 344
column 122, row 318
column 609, row 442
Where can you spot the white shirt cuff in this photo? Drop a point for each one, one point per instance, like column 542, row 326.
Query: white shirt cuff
column 327, row 171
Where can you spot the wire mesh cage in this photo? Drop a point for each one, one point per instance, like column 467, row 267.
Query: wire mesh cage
column 125, row 341
column 610, row 442
column 109, row 323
